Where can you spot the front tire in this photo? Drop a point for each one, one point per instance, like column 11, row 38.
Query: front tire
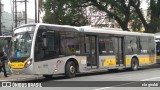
column 70, row 69
column 134, row 64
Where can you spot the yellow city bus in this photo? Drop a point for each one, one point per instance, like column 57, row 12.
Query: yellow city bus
column 49, row 49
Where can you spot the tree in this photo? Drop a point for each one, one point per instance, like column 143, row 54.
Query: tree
column 135, row 21
column 152, row 26
column 118, row 9
column 64, row 12
column 0, row 18
column 122, row 12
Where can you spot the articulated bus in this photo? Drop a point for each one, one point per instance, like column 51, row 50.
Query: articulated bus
column 157, row 40
column 48, row 49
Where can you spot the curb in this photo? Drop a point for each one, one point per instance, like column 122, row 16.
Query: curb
column 20, row 78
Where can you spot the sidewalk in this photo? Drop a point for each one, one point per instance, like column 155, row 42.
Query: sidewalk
column 19, row 77
column 12, row 77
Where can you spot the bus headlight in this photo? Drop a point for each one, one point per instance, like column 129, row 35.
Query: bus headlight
column 9, row 64
column 28, row 63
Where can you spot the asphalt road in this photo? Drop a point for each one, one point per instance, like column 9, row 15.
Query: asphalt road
column 120, row 80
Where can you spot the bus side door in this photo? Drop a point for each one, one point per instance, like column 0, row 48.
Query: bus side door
column 119, row 51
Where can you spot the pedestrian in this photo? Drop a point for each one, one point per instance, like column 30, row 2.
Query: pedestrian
column 2, row 63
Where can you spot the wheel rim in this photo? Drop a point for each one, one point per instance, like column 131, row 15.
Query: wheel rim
column 72, row 69
column 135, row 65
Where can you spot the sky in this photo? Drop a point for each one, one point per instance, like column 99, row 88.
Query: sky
column 21, row 7
column 144, row 5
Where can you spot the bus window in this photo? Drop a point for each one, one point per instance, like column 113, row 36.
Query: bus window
column 144, row 45
column 69, row 43
column 51, row 49
column 106, row 46
column 158, row 48
column 151, row 45
column 131, row 45
column 102, row 49
column 52, row 45
column 109, row 45
column 82, row 43
column 87, row 46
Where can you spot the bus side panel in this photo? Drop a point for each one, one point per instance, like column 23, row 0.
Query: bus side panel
column 107, row 62
column 144, row 60
column 82, row 61
column 158, row 60
column 128, row 60
column 57, row 66
column 51, row 66
column 153, row 60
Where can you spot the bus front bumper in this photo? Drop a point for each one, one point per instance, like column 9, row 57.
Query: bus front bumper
column 24, row 71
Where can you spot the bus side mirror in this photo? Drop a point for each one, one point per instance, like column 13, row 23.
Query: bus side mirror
column 44, row 39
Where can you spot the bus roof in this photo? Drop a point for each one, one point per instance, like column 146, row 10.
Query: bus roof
column 5, row 37
column 25, row 25
column 157, row 35
column 112, row 31
column 90, row 29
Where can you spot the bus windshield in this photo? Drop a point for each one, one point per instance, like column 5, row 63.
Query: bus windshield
column 21, row 44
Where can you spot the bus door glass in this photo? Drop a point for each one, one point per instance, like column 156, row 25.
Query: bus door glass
column 91, row 51
column 119, row 51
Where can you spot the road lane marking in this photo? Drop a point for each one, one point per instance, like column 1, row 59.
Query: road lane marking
column 150, row 79
column 126, row 83
column 114, row 86
column 102, row 88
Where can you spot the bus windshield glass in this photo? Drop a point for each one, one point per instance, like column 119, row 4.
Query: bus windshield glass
column 21, row 43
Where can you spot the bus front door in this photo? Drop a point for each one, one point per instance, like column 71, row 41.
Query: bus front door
column 91, row 51
column 119, row 51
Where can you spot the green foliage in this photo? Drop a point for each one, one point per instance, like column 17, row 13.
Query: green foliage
column 64, row 12
column 118, row 9
column 72, row 12
column 158, row 28
column 130, row 10
column 136, row 22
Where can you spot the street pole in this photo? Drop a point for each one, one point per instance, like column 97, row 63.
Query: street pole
column 35, row 11
column 25, row 11
column 13, row 18
column 38, row 16
column 0, row 18
column 15, row 13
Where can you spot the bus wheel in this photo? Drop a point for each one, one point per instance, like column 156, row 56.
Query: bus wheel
column 134, row 64
column 48, row 76
column 70, row 69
